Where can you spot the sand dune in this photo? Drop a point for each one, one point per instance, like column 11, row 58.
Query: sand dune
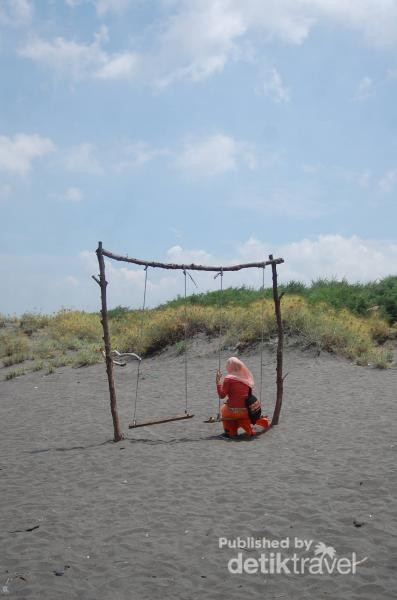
column 84, row 518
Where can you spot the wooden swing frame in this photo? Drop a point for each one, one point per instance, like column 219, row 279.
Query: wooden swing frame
column 136, row 424
column 109, row 354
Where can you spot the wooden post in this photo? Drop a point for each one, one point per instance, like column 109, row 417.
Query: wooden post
column 101, row 253
column 118, row 435
column 280, row 345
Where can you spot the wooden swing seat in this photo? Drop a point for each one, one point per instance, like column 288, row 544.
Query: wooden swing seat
column 136, row 424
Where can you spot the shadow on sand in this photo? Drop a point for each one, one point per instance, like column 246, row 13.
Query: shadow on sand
column 155, row 442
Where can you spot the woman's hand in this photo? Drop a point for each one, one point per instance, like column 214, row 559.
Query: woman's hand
column 218, row 377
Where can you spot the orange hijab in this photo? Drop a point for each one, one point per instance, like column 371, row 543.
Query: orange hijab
column 238, row 371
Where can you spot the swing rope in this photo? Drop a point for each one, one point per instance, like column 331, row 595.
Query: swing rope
column 140, row 339
column 220, row 306
column 185, row 311
column 262, row 330
column 186, row 338
column 140, row 346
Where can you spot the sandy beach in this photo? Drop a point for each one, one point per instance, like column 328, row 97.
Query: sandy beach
column 85, row 518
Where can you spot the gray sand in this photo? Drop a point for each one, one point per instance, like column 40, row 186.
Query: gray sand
column 141, row 519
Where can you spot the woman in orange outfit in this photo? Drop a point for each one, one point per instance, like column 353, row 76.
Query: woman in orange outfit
column 236, row 387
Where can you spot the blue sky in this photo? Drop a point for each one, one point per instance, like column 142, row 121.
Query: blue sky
column 213, row 131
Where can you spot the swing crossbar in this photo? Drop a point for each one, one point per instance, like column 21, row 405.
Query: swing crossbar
column 136, row 424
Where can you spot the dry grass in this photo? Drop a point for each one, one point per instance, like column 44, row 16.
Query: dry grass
column 337, row 331
column 75, row 337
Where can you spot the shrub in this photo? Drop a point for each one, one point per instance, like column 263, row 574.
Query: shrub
column 82, row 325
column 180, row 348
column 120, row 312
column 13, row 374
column 358, row 297
column 330, row 315
column 46, row 347
column 385, row 296
column 85, row 357
column 14, row 359
column 31, row 322
column 38, row 366
column 13, row 343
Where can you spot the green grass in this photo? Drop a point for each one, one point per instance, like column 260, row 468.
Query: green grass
column 360, row 298
column 353, row 320
column 13, row 342
column 13, row 374
column 31, row 322
column 15, row 359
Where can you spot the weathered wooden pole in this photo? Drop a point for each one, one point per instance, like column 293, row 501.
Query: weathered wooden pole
column 280, row 345
column 118, row 435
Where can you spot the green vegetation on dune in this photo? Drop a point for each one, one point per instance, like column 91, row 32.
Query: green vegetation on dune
column 360, row 298
column 356, row 321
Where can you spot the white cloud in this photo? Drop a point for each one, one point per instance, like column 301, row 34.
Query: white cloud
column 16, row 12
column 82, row 159
column 360, row 178
column 71, row 280
column 208, row 33
column 103, row 7
column 119, row 66
column 17, row 153
column 5, row 192
column 79, row 60
column 82, row 61
column 126, row 283
column 138, row 154
column 388, row 182
column 39, row 282
column 214, row 155
column 375, row 19
column 204, row 157
column 353, row 258
column 333, row 255
column 119, row 157
column 179, row 255
column 284, row 202
column 274, row 87
column 198, row 38
column 365, row 89
column 391, row 74
column 72, row 194
column 202, row 36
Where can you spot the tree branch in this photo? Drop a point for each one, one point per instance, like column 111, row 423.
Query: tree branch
column 191, row 267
